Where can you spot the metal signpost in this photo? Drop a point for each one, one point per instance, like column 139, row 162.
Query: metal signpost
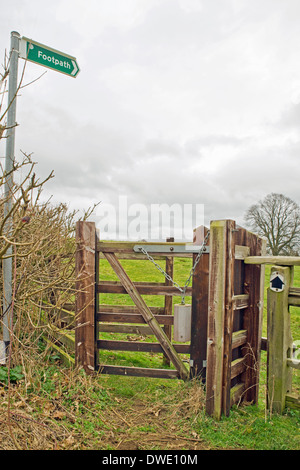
column 46, row 56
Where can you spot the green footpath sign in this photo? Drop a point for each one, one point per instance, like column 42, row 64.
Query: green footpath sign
column 48, row 57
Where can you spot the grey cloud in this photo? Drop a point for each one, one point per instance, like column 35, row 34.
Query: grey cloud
column 173, row 103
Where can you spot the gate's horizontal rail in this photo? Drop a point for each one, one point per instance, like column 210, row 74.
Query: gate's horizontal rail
column 236, row 393
column 238, row 366
column 114, row 287
column 139, row 372
column 239, row 338
column 278, row 260
column 142, row 330
column 162, row 250
column 141, row 257
column 115, row 345
column 105, row 308
column 294, row 296
column 127, row 248
column 240, row 301
column 133, row 318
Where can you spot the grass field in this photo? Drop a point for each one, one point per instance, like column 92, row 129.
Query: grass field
column 54, row 407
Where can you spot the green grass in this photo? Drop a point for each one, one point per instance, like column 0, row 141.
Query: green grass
column 251, row 427
column 115, row 412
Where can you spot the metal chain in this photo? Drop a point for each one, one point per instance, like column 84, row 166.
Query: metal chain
column 168, row 277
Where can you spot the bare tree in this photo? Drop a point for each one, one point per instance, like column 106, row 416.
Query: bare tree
column 277, row 218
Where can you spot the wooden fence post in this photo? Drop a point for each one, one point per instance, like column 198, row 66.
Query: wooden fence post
column 220, row 317
column 280, row 342
column 86, row 354
column 253, row 315
column 168, row 299
column 199, row 309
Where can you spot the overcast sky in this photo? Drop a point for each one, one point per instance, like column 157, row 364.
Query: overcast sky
column 177, row 101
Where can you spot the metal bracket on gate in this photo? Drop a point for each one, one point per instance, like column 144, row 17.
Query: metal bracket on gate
column 169, row 248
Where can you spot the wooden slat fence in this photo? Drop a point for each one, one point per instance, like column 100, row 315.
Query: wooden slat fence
column 226, row 326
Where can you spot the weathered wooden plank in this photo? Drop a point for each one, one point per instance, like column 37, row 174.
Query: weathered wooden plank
column 292, row 401
column 139, row 372
column 228, row 314
column 252, row 318
column 294, row 301
column 142, row 257
column 117, row 345
column 294, row 291
column 125, row 247
column 85, row 350
column 61, row 314
column 240, row 301
column 66, row 359
column 137, row 284
column 220, row 292
column 97, row 297
column 237, row 367
column 105, row 308
column 114, row 287
column 168, row 298
column 241, row 252
column 239, row 338
column 128, row 246
column 147, row 315
column 278, row 260
column 133, row 318
column 280, row 344
column 57, row 334
column 199, row 309
column 236, row 393
column 142, row 330
column 294, row 296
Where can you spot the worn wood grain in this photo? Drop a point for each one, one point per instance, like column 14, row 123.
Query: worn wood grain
column 147, row 315
column 85, row 350
column 139, row 372
column 199, row 309
column 117, row 345
column 143, row 288
column 219, row 272
column 168, row 298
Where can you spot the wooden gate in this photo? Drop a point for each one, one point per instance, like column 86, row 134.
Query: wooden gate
column 227, row 297
column 94, row 317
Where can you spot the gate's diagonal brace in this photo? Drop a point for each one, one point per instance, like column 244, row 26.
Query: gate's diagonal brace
column 147, row 315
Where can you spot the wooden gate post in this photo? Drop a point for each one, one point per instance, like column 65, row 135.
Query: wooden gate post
column 220, row 317
column 168, row 299
column 199, row 309
column 86, row 354
column 253, row 316
column 280, row 342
